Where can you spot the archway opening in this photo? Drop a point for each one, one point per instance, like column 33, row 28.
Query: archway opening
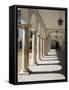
column 55, row 44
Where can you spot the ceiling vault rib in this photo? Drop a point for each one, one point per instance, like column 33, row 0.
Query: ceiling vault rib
column 41, row 19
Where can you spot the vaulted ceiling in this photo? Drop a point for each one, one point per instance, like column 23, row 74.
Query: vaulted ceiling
column 50, row 18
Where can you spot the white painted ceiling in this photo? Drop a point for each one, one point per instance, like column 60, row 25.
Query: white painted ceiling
column 50, row 18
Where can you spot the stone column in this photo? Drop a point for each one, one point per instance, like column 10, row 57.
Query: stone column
column 44, row 47
column 41, row 46
column 38, row 48
column 47, row 46
column 25, row 50
column 34, row 48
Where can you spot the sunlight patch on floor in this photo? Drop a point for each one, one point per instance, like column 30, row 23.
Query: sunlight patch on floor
column 40, row 77
column 49, row 62
column 54, row 56
column 48, row 58
column 45, row 68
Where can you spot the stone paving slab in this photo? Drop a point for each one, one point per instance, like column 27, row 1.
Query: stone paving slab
column 40, row 77
column 48, row 62
column 45, row 68
column 48, row 58
column 43, row 71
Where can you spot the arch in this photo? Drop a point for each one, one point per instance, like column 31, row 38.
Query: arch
column 59, row 39
column 33, row 22
column 25, row 16
column 42, row 31
column 55, row 44
column 39, row 29
column 61, row 33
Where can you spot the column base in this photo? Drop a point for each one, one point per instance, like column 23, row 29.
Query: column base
column 39, row 60
column 29, row 71
column 34, row 64
column 44, row 56
column 26, row 72
column 23, row 72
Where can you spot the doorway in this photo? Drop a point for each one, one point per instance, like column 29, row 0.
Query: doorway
column 55, row 45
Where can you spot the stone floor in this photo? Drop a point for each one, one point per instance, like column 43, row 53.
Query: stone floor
column 40, row 77
column 48, row 68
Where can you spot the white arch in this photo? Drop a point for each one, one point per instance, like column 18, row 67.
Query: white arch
column 60, row 36
column 42, row 32
column 33, row 22
column 39, row 29
column 24, row 16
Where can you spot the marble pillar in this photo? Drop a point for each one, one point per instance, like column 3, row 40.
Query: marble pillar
column 38, row 48
column 25, row 51
column 49, row 45
column 34, row 62
column 41, row 47
column 44, row 47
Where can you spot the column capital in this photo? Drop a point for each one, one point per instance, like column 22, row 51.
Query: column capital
column 44, row 38
column 41, row 37
column 25, row 26
column 38, row 35
column 34, row 32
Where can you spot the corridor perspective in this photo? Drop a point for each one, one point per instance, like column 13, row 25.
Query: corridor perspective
column 41, row 45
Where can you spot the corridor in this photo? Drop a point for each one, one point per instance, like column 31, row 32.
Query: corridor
column 48, row 68
column 41, row 45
